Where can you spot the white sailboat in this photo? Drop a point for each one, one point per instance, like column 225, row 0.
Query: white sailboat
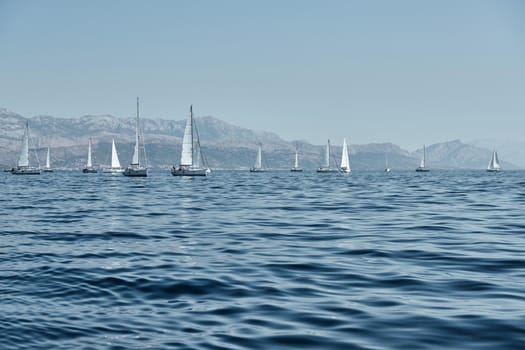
column 115, row 167
column 325, row 168
column 47, row 168
column 191, row 156
column 89, row 165
column 345, row 162
column 257, row 167
column 494, row 165
column 135, row 168
column 387, row 168
column 296, row 167
column 422, row 166
column 23, row 167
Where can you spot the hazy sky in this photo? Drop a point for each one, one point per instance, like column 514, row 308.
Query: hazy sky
column 408, row 72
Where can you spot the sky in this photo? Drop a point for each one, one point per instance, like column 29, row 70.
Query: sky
column 407, row 72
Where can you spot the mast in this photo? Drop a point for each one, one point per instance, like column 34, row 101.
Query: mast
column 135, row 160
column 258, row 160
column 423, row 160
column 296, row 159
column 48, row 159
column 327, row 155
column 89, row 163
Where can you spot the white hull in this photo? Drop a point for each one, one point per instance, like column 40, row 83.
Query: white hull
column 113, row 170
column 181, row 171
column 25, row 171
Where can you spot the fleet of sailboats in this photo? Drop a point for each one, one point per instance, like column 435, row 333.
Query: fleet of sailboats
column 115, row 167
column 136, row 169
column 23, row 167
column 494, row 165
column 257, row 167
column 422, row 166
column 191, row 154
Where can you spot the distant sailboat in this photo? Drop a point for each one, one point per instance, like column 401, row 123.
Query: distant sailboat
column 296, row 167
column 422, row 166
column 48, row 169
column 23, row 167
column 257, row 167
column 115, row 167
column 345, row 162
column 325, row 168
column 387, row 168
column 135, row 168
column 190, row 158
column 89, row 165
column 494, row 165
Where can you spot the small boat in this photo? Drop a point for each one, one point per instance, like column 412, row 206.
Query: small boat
column 296, row 168
column 387, row 168
column 191, row 156
column 325, row 168
column 345, row 162
column 422, row 166
column 135, row 169
column 89, row 165
column 494, row 165
column 115, row 167
column 257, row 167
column 47, row 168
column 23, row 167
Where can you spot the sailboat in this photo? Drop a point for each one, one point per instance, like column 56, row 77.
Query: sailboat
column 115, row 167
column 135, row 168
column 257, row 167
column 387, row 168
column 345, row 163
column 89, row 165
column 191, row 155
column 422, row 166
column 48, row 169
column 325, row 168
column 494, row 163
column 296, row 167
column 23, row 167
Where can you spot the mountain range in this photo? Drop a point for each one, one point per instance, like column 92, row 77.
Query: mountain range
column 224, row 146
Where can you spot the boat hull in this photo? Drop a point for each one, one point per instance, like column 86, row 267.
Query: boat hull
column 493, row 170
column 25, row 171
column 135, row 172
column 256, row 170
column 422, row 170
column 326, row 170
column 113, row 170
column 189, row 172
column 89, row 170
column 47, row 170
column 296, row 170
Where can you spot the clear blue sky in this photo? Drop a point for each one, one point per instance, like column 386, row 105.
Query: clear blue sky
column 408, row 72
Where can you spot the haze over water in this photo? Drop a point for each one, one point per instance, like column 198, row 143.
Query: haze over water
column 273, row 260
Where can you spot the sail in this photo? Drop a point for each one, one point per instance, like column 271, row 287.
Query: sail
column 258, row 160
column 494, row 162
column 115, row 163
column 89, row 163
column 296, row 165
column 23, row 160
column 327, row 155
column 345, row 163
column 48, row 159
column 135, row 159
column 186, row 157
column 422, row 164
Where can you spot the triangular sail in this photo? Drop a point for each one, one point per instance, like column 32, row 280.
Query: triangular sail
column 345, row 163
column 115, row 163
column 135, row 160
column 422, row 164
column 327, row 155
column 296, row 165
column 89, row 164
column 258, row 160
column 494, row 162
column 186, row 157
column 23, row 160
column 48, row 159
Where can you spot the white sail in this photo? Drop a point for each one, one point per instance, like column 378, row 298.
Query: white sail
column 296, row 165
column 48, row 159
column 23, row 160
column 345, row 163
column 135, row 159
column 422, row 164
column 327, row 155
column 258, row 160
column 115, row 163
column 494, row 162
column 89, row 164
column 186, row 157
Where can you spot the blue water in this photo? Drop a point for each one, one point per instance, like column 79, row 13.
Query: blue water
column 271, row 260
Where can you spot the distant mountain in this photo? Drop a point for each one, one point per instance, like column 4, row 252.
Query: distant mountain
column 224, row 145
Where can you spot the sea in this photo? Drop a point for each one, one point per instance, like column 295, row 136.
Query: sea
column 273, row 260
